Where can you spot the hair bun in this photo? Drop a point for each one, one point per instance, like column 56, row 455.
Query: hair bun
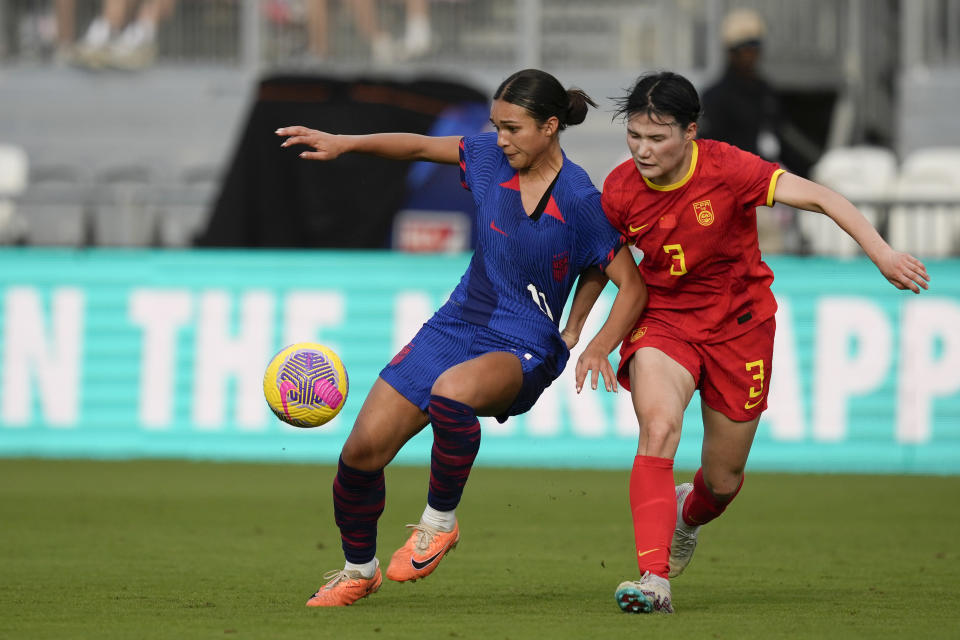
column 579, row 104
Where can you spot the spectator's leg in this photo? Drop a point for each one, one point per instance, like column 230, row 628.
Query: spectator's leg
column 156, row 11
column 365, row 17
column 317, row 21
column 115, row 13
column 66, row 16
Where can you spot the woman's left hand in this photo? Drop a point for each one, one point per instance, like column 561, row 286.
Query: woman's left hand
column 570, row 338
column 594, row 360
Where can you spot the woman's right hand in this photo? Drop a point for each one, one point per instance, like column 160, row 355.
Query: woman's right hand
column 594, row 360
column 326, row 146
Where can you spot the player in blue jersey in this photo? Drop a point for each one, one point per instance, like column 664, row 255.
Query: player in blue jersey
column 495, row 345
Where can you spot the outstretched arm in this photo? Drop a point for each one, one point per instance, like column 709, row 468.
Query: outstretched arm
column 395, row 146
column 901, row 269
column 589, row 286
column 630, row 300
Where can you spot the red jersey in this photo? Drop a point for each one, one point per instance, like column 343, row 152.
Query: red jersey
column 701, row 257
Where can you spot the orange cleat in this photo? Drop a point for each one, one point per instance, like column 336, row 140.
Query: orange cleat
column 422, row 552
column 344, row 588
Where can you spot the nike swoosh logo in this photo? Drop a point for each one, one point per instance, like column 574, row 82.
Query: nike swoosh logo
column 751, row 406
column 640, row 554
column 420, row 565
column 494, row 227
column 632, row 230
column 286, row 387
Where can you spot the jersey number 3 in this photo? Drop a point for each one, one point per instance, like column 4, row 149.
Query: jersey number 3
column 679, row 264
column 755, row 392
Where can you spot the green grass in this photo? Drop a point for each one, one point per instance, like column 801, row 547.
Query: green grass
column 205, row 550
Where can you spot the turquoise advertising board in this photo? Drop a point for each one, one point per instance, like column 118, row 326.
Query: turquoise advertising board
column 125, row 354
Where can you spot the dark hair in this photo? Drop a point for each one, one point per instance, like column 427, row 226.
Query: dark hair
column 662, row 94
column 543, row 97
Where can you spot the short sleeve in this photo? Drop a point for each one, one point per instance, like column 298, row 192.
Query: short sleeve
column 479, row 155
column 611, row 201
column 597, row 241
column 754, row 179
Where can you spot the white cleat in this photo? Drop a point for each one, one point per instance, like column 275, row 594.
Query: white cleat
column 649, row 594
column 684, row 536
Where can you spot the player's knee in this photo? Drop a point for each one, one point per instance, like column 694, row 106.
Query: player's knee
column 365, row 454
column 724, row 483
column 660, row 435
column 450, row 386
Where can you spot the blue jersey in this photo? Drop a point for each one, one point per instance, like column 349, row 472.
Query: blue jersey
column 523, row 269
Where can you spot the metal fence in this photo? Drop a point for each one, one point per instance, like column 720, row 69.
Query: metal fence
column 806, row 37
column 562, row 33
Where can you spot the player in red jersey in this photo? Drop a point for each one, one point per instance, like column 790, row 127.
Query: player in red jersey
column 688, row 208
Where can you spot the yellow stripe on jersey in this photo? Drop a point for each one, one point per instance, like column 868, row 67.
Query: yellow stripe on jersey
column 773, row 186
column 684, row 180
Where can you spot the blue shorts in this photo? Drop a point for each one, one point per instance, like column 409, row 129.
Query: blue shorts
column 445, row 341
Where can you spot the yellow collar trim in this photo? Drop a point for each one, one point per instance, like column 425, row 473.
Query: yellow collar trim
column 685, row 179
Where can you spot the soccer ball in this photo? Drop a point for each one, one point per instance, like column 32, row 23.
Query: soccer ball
column 305, row 384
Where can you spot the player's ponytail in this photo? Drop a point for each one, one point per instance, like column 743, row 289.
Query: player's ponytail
column 580, row 102
column 544, row 97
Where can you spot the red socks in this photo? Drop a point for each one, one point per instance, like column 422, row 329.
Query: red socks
column 701, row 505
column 653, row 502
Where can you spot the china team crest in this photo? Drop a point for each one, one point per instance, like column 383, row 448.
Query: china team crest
column 704, row 211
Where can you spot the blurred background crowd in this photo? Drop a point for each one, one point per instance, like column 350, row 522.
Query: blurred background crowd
column 149, row 123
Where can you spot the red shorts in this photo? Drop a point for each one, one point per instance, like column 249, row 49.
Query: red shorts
column 733, row 376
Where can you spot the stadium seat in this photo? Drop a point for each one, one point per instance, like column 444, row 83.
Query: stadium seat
column 13, row 180
column 123, row 214
column 55, row 205
column 184, row 204
column 864, row 175
column 926, row 219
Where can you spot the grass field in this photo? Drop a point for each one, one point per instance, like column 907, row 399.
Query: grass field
column 206, row 550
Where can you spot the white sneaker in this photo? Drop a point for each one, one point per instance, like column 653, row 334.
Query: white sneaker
column 92, row 51
column 135, row 48
column 98, row 34
column 649, row 594
column 132, row 58
column 684, row 536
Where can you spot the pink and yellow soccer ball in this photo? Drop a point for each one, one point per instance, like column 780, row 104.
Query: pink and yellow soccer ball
column 306, row 384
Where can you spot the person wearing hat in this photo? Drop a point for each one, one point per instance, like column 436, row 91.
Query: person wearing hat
column 741, row 108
